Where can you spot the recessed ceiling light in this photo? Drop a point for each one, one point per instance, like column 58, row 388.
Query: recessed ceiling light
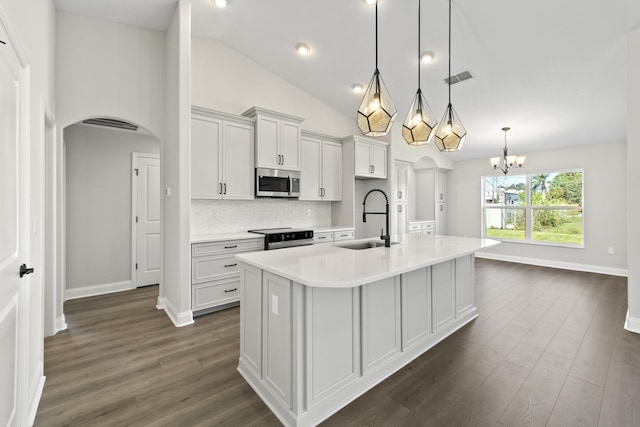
column 427, row 57
column 357, row 88
column 220, row 3
column 303, row 49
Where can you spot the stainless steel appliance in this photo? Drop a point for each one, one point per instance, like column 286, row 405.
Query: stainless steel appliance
column 277, row 183
column 278, row 238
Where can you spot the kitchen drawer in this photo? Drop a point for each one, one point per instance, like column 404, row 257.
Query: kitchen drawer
column 228, row 246
column 323, row 237
column 343, row 235
column 212, row 294
column 429, row 225
column 415, row 226
column 213, row 267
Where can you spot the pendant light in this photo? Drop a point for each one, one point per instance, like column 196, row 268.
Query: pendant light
column 451, row 133
column 377, row 111
column 418, row 127
column 506, row 162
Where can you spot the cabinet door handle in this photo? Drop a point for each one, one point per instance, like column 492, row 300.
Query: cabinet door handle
column 231, row 247
column 399, row 208
column 230, row 265
column 230, row 290
column 399, row 194
column 282, row 159
column 440, row 208
column 225, row 188
column 440, row 196
column 220, row 191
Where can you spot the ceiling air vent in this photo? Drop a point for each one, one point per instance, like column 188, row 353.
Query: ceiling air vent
column 112, row 123
column 457, row 78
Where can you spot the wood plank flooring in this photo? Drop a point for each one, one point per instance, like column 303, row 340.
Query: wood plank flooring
column 548, row 348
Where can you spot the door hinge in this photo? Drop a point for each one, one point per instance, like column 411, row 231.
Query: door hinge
column 136, row 265
column 136, row 171
column 136, row 219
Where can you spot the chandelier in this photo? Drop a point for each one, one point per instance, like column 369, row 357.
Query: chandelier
column 506, row 162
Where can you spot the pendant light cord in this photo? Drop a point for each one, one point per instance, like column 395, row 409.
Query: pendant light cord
column 419, row 45
column 376, row 36
column 449, row 59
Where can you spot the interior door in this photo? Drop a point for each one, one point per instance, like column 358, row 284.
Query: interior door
column 148, row 220
column 14, row 234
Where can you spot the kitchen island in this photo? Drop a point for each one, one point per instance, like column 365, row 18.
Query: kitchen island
column 320, row 325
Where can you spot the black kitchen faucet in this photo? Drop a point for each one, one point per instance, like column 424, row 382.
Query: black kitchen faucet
column 386, row 237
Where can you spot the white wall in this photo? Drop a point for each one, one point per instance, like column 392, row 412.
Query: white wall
column 231, row 216
column 604, row 205
column 175, row 286
column 225, row 80
column 98, row 207
column 633, row 178
column 108, row 69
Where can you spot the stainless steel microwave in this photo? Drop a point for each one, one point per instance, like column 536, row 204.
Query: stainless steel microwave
column 277, row 183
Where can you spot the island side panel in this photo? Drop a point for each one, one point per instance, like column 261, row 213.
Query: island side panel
column 333, row 340
column 381, row 335
column 251, row 318
column 465, row 299
column 277, row 337
column 416, row 306
column 443, row 289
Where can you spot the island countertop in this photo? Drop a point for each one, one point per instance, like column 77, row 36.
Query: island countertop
column 332, row 266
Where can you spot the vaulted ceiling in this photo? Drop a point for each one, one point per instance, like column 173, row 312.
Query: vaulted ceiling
column 554, row 71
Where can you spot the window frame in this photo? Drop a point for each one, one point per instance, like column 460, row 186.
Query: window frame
column 529, row 208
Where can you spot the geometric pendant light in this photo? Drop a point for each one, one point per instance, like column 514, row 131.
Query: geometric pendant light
column 377, row 111
column 451, row 132
column 418, row 126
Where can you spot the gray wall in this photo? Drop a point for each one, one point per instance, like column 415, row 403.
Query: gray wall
column 98, row 203
column 605, row 204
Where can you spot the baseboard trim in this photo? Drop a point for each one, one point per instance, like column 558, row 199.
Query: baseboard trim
column 179, row 319
column 37, row 395
column 91, row 291
column 555, row 264
column 61, row 324
column 632, row 324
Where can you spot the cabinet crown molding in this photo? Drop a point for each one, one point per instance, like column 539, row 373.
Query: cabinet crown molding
column 322, row 136
column 207, row 112
column 359, row 138
column 255, row 111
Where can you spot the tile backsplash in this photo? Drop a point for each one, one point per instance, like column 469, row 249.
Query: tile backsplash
column 232, row 216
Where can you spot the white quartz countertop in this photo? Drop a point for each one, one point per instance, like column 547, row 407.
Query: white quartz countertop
column 201, row 238
column 330, row 266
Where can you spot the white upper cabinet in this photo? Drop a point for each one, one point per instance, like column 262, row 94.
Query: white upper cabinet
column 401, row 172
column 221, row 156
column 440, row 187
column 277, row 139
column 370, row 158
column 320, row 169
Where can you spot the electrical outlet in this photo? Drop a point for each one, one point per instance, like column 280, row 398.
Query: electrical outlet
column 308, row 212
column 612, row 250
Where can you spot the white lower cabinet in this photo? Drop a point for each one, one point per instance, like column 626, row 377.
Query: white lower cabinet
column 215, row 274
column 343, row 235
column 380, row 322
column 325, row 237
column 443, row 294
column 416, row 306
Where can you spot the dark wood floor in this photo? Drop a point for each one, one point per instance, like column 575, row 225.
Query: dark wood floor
column 547, row 349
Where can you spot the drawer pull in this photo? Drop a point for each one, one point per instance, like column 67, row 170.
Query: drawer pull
column 231, row 247
column 231, row 265
column 230, row 290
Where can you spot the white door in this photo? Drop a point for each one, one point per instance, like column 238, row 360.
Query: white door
column 14, row 235
column 331, row 171
column 267, row 143
column 363, row 159
column 290, row 146
column 379, row 161
column 310, row 169
column 147, row 225
column 237, row 161
column 206, row 137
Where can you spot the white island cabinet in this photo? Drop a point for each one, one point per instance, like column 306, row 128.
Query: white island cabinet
column 322, row 324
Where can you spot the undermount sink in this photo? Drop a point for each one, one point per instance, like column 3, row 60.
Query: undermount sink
column 365, row 245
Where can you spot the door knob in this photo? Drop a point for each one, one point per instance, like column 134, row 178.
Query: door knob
column 24, row 270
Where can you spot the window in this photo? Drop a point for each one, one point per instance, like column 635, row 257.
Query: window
column 544, row 208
